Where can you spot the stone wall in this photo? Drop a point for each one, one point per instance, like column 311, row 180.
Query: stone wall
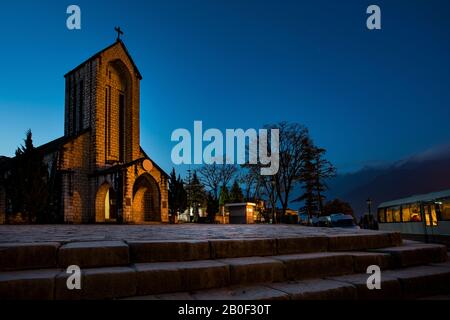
column 80, row 99
column 76, row 197
column 116, row 71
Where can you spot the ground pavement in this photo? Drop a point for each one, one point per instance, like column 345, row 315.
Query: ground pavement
column 67, row 233
column 203, row 262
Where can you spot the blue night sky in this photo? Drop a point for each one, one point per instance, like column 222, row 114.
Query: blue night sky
column 366, row 96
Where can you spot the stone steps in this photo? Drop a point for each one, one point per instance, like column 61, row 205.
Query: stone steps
column 91, row 254
column 413, row 253
column 109, row 271
column 410, row 283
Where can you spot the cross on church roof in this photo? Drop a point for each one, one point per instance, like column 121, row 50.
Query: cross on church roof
column 119, row 32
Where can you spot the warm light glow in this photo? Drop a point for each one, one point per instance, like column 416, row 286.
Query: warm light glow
column 107, row 208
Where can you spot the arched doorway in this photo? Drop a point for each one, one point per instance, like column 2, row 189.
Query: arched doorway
column 110, row 205
column 105, row 204
column 146, row 200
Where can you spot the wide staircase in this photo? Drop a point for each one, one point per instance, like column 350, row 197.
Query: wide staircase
column 297, row 268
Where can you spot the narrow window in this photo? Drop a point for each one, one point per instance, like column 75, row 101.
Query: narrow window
column 121, row 127
column 107, row 122
column 382, row 215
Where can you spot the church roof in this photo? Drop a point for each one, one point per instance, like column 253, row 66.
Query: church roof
column 98, row 54
column 50, row 147
column 55, row 145
column 154, row 163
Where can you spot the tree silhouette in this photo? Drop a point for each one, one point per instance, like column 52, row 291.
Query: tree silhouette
column 236, row 195
column 293, row 138
column 337, row 206
column 212, row 207
column 215, row 176
column 27, row 185
column 196, row 195
column 224, row 196
column 314, row 173
column 177, row 194
column 323, row 170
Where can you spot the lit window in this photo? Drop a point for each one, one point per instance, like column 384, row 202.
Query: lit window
column 415, row 213
column 396, row 214
column 389, row 216
column 434, row 216
column 382, row 215
column 406, row 213
column 445, row 210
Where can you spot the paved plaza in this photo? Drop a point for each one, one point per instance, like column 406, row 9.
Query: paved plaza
column 203, row 262
column 69, row 233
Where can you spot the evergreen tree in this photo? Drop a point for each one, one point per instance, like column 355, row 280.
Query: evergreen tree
column 338, row 206
column 172, row 192
column 212, row 207
column 314, row 173
column 224, row 196
column 307, row 173
column 28, row 183
column 196, row 195
column 177, row 194
column 236, row 195
column 323, row 170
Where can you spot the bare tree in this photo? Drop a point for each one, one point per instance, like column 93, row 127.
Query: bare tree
column 268, row 185
column 215, row 176
column 228, row 172
column 210, row 176
column 293, row 138
column 264, row 187
column 249, row 180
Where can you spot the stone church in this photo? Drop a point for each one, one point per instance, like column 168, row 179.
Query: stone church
column 105, row 175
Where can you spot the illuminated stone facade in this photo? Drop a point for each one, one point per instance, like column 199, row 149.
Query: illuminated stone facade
column 105, row 175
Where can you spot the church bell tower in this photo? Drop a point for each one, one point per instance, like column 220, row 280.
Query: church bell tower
column 102, row 96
